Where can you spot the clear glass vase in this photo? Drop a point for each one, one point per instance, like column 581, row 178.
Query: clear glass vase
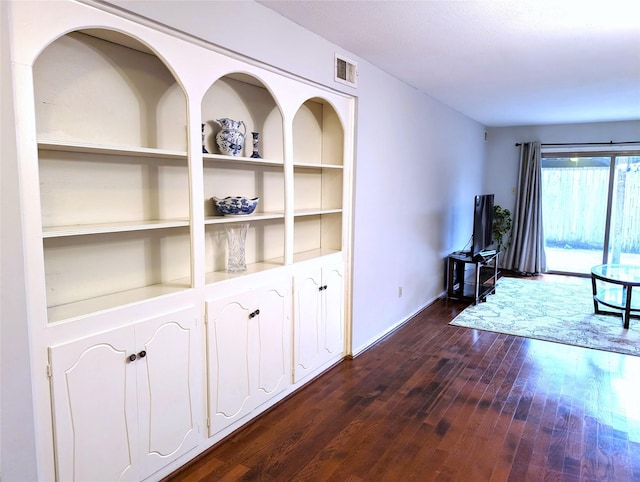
column 236, row 240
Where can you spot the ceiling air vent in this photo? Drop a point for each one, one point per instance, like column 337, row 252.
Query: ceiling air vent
column 346, row 71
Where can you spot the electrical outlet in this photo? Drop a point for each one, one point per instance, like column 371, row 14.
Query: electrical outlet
column 399, row 291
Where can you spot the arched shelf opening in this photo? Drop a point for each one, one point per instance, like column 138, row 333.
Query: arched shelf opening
column 318, row 179
column 243, row 97
column 318, row 135
column 111, row 123
column 99, row 86
column 256, row 171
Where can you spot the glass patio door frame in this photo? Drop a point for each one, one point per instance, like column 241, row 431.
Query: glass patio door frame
column 613, row 155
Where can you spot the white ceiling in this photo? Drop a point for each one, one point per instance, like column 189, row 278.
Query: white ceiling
column 502, row 63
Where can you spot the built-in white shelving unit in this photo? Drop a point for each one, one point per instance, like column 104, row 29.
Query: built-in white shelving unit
column 125, row 253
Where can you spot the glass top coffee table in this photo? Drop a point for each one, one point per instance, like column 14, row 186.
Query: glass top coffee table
column 613, row 286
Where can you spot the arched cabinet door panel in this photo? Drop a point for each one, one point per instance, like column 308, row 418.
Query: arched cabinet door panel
column 94, row 411
column 307, row 319
column 230, row 357
column 333, row 312
column 274, row 341
column 168, row 388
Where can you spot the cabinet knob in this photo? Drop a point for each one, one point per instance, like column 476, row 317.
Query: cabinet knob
column 254, row 313
column 132, row 357
column 142, row 354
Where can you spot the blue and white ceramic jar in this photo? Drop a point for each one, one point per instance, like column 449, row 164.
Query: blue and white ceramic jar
column 235, row 205
column 230, row 139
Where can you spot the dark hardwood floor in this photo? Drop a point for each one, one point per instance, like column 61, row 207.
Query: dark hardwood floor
column 442, row 403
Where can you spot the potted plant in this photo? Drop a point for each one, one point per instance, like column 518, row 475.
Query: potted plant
column 501, row 227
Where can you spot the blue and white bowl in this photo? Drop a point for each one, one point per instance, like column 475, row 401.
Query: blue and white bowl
column 235, row 205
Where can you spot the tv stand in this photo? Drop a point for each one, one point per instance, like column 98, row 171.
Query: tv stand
column 480, row 282
column 486, row 255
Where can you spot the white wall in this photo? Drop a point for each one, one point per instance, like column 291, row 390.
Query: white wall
column 418, row 162
column 503, row 156
column 418, row 167
column 17, row 430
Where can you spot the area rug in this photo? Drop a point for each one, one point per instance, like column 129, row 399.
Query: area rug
column 561, row 312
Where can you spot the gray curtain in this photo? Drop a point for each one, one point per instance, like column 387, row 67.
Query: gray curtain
column 526, row 253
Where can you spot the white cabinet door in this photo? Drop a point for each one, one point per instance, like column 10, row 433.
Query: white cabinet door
column 94, row 406
column 332, row 313
column 318, row 319
column 230, row 358
column 168, row 388
column 307, row 322
column 123, row 401
column 249, row 344
column 273, row 329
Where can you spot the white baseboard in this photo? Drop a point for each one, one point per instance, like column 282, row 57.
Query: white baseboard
column 362, row 348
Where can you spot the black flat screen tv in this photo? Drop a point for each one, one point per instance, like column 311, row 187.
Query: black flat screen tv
column 482, row 224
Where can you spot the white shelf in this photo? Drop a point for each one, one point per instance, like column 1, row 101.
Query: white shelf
column 101, row 303
column 216, row 276
column 242, row 218
column 315, row 212
column 111, row 150
column 305, row 165
column 240, row 160
column 104, row 228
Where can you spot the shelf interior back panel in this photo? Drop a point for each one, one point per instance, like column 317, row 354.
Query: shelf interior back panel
column 137, row 104
column 318, row 232
column 265, row 182
column 83, row 267
column 318, row 136
column 78, row 188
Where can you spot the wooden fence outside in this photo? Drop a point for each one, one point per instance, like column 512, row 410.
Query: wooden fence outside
column 574, row 205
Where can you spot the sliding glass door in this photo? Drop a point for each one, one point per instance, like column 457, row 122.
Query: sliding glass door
column 623, row 241
column 590, row 210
